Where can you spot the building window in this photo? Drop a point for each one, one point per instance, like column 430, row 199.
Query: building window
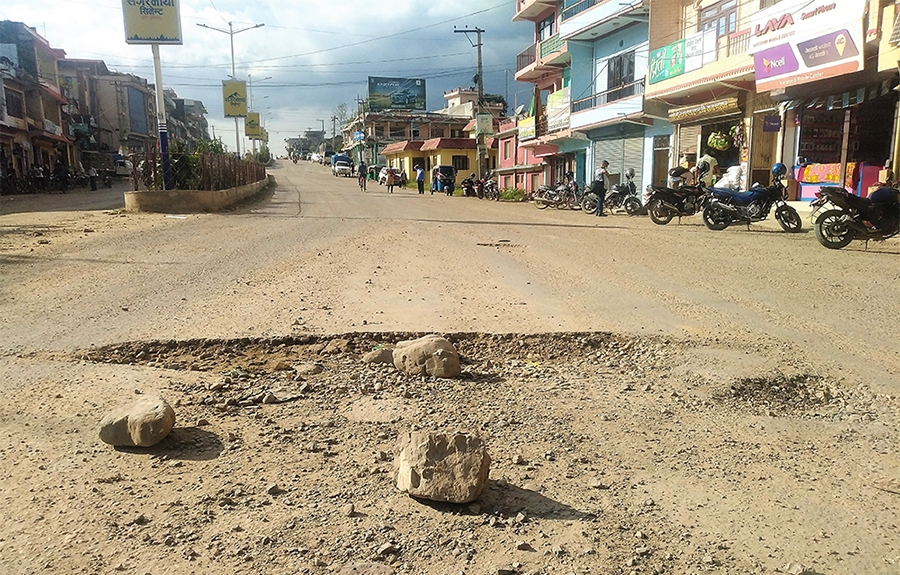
column 620, row 70
column 547, row 27
column 507, row 146
column 767, row 3
column 456, row 133
column 460, row 163
column 14, row 105
column 721, row 17
column 437, row 132
column 414, row 131
column 398, row 131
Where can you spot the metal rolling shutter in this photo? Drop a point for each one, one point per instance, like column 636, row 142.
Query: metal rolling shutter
column 687, row 140
column 621, row 153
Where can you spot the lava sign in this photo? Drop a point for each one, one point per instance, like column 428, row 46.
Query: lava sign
column 799, row 41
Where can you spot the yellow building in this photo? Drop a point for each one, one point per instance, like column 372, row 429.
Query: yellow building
column 461, row 153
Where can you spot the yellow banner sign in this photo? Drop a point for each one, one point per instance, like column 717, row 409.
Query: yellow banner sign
column 152, row 21
column 234, row 96
column 251, row 124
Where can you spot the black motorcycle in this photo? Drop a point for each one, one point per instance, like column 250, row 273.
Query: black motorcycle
column 728, row 207
column 853, row 218
column 564, row 195
column 468, row 186
column 683, row 200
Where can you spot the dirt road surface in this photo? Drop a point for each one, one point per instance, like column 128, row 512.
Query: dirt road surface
column 655, row 399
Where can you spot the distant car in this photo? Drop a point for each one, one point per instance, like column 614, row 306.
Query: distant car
column 403, row 97
column 342, row 168
column 399, row 176
column 123, row 167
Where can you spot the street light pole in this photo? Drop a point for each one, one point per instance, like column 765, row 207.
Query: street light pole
column 231, row 32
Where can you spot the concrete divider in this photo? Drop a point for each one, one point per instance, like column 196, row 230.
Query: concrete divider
column 192, row 201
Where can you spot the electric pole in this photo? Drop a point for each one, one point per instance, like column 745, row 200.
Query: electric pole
column 479, row 108
column 231, row 33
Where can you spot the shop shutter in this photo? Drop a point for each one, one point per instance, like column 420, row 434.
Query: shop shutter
column 687, row 140
column 621, row 153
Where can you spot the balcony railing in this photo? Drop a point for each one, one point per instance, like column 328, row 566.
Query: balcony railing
column 596, row 100
column 738, row 43
column 526, row 57
column 551, row 45
column 577, row 9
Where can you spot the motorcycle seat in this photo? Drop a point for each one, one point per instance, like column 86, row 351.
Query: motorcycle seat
column 737, row 196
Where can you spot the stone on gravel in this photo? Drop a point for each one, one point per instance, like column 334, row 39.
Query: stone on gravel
column 383, row 355
column 142, row 423
column 366, row 569
column 335, row 346
column 429, row 355
column 308, row 369
column 442, row 467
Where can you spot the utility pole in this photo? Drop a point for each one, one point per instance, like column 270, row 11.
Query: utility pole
column 479, row 108
column 231, row 32
column 333, row 124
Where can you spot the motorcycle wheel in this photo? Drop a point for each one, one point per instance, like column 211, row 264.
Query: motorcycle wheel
column 540, row 203
column 659, row 214
column 789, row 219
column 589, row 203
column 715, row 217
column 831, row 230
column 632, row 206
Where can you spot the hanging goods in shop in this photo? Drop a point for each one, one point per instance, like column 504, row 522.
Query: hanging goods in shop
column 718, row 141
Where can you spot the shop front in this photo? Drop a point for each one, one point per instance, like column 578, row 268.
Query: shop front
column 717, row 126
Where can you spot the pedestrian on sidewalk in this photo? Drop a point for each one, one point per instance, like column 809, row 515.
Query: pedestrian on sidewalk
column 420, row 178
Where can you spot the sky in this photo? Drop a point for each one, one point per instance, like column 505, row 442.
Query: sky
column 309, row 57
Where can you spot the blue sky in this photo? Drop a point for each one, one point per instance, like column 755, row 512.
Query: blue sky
column 308, row 58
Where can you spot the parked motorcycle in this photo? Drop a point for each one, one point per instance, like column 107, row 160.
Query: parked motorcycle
column 664, row 203
column 623, row 196
column 468, row 186
column 728, row 207
column 591, row 195
column 106, row 177
column 853, row 218
column 563, row 196
column 490, row 191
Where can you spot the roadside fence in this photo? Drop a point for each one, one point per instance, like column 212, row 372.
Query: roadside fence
column 194, row 171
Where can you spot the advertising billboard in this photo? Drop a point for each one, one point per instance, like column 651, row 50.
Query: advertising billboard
column 251, row 124
column 794, row 42
column 152, row 21
column 234, row 98
column 396, row 94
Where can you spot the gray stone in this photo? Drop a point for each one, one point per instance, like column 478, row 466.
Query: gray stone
column 383, row 355
column 442, row 467
column 429, row 355
column 142, row 423
column 335, row 346
column 308, row 369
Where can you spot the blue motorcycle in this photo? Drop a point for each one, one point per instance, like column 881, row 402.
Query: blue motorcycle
column 729, row 207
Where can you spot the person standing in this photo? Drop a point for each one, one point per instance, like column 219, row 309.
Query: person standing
column 713, row 170
column 390, row 180
column 361, row 175
column 602, row 176
column 92, row 175
column 420, row 178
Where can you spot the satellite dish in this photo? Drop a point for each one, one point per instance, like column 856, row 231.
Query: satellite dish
column 520, row 109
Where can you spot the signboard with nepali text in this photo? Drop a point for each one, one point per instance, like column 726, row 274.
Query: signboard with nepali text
column 152, row 21
column 798, row 41
column 251, row 124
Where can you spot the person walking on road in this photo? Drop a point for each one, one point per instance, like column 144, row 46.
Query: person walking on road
column 420, row 178
column 602, row 175
column 92, row 175
column 390, row 180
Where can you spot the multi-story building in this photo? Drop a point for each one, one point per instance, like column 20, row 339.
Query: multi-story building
column 777, row 81
column 33, row 124
column 545, row 128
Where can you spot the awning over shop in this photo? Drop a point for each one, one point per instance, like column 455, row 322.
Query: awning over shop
column 544, row 150
column 713, row 110
column 52, row 137
column 55, row 95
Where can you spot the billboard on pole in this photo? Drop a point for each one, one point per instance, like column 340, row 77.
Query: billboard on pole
column 251, row 124
column 234, row 97
column 152, row 21
column 396, row 94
